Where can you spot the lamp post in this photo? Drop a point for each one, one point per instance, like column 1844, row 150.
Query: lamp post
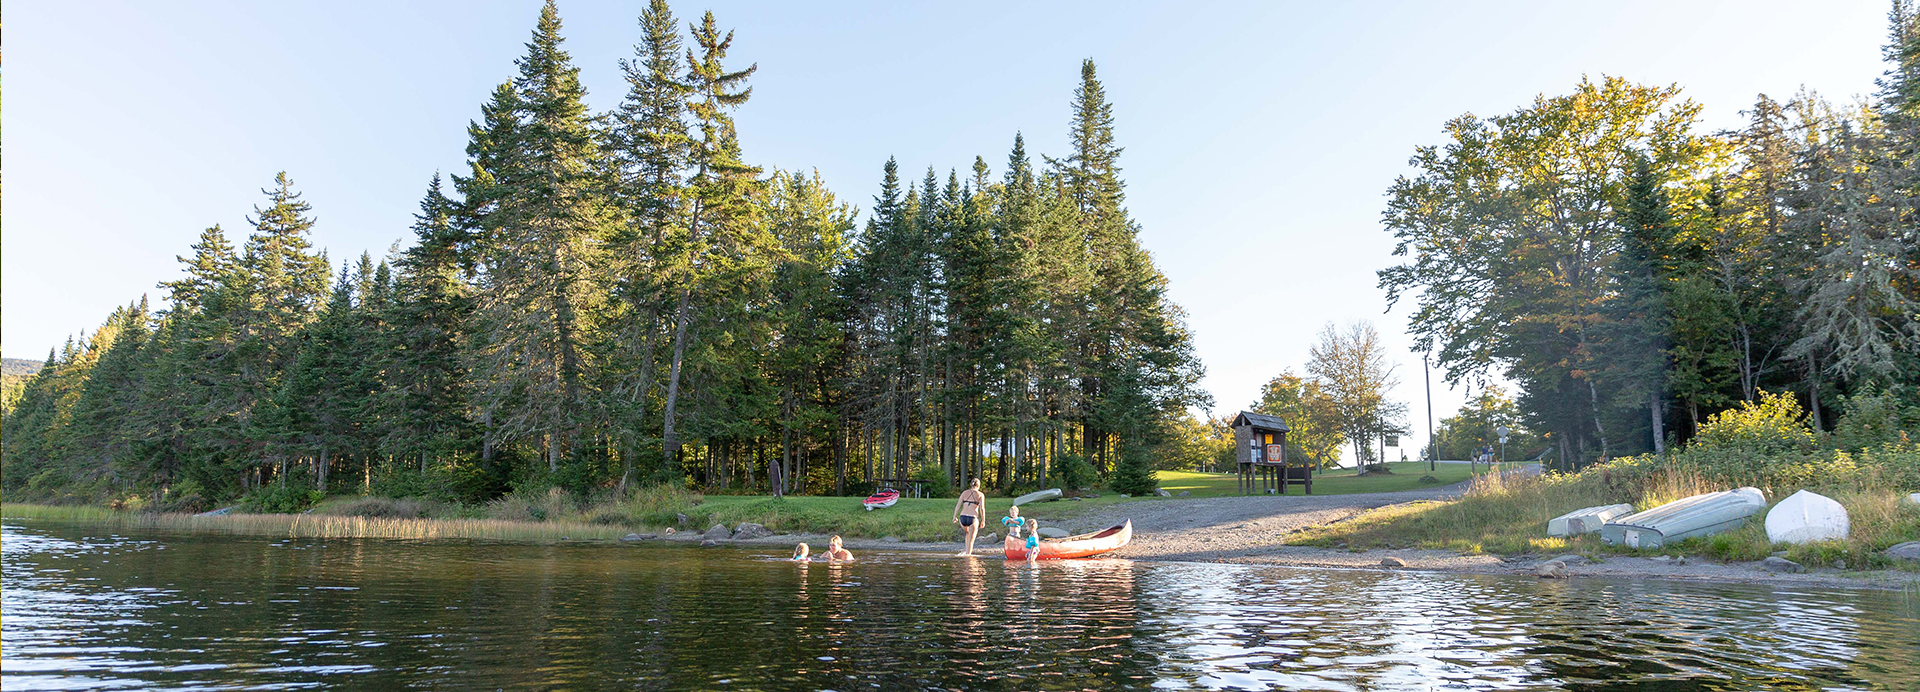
column 1432, row 453
column 1502, row 432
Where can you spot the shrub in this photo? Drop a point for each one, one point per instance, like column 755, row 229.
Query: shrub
column 1073, row 472
column 1134, row 475
column 938, row 485
column 1872, row 420
column 280, row 498
column 533, row 504
column 381, row 508
column 1772, row 425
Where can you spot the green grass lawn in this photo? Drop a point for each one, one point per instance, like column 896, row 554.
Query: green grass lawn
column 932, row 519
column 909, row 519
column 1406, row 476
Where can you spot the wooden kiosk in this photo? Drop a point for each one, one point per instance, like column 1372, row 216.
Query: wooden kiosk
column 1260, row 448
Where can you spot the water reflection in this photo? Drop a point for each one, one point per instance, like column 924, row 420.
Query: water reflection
column 85, row 609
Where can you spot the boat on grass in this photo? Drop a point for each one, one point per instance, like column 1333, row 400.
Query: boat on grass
column 1083, row 545
column 1806, row 517
column 884, row 498
column 1700, row 515
column 1587, row 520
column 1037, row 496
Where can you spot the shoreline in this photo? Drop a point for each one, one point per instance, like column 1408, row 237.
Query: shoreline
column 1245, row 530
column 1696, row 570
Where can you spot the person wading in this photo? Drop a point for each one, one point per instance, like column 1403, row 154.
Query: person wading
column 967, row 513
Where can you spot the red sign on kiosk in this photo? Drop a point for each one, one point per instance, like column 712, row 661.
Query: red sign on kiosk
column 1274, row 454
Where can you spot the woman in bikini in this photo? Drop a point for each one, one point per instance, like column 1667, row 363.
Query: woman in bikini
column 967, row 513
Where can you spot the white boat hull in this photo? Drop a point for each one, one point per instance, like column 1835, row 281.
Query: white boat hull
column 1586, row 520
column 1041, row 496
column 1807, row 517
column 1700, row 515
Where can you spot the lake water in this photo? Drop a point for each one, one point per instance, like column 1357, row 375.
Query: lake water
column 90, row 608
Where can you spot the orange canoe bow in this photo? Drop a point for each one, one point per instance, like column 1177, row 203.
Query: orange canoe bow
column 1083, row 545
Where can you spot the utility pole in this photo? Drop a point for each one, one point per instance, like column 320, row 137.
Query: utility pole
column 1433, row 454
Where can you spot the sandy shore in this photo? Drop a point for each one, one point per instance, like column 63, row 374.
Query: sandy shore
column 1253, row 529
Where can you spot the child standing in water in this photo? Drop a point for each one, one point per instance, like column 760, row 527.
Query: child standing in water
column 1033, row 541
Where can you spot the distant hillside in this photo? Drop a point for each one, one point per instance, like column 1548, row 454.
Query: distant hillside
column 20, row 366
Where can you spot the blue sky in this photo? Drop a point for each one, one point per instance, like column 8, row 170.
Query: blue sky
column 1259, row 137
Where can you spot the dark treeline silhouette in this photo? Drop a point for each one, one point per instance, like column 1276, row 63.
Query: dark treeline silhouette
column 603, row 300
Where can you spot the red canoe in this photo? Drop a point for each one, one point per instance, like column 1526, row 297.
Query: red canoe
column 884, row 498
column 1083, row 545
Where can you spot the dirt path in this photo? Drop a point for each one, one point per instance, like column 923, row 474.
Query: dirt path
column 1223, row 529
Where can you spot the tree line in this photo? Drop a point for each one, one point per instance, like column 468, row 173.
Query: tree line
column 602, row 300
column 1632, row 274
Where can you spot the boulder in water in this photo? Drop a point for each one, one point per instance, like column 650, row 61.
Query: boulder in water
column 1392, row 562
column 709, row 544
column 750, row 530
column 1806, row 517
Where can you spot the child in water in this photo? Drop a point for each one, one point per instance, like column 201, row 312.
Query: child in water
column 800, row 553
column 1033, row 541
column 837, row 553
column 1012, row 522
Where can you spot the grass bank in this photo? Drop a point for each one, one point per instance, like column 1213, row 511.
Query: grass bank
column 555, row 514
column 1508, row 514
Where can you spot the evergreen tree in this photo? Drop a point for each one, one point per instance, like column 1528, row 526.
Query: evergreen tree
column 720, row 225
column 543, row 232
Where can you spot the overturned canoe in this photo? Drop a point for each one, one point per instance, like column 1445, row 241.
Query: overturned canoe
column 1040, row 496
column 1806, row 517
column 1700, row 515
column 1587, row 520
column 1083, row 545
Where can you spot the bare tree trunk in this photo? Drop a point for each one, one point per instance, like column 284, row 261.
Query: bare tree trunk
column 1657, row 412
column 1594, row 393
column 1813, row 393
column 669, row 444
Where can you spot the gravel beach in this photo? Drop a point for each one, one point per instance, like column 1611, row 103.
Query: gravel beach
column 1253, row 529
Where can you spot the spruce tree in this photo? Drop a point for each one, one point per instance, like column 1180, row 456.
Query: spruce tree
column 720, row 187
column 542, row 234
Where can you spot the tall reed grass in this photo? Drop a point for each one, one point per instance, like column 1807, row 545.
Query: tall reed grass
column 321, row 526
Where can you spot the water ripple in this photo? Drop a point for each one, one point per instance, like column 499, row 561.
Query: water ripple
column 87, row 610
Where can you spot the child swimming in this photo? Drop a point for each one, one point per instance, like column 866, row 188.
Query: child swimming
column 837, row 553
column 800, row 553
